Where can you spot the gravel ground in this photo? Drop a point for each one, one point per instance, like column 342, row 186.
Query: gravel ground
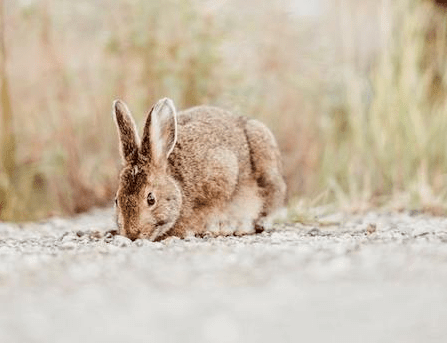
column 377, row 277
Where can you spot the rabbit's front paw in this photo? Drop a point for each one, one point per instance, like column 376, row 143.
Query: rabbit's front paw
column 228, row 227
column 220, row 227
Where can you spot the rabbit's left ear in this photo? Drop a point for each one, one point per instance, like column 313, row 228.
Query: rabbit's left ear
column 127, row 131
column 160, row 131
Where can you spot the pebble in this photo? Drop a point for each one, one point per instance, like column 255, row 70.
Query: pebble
column 69, row 245
column 314, row 232
column 121, row 241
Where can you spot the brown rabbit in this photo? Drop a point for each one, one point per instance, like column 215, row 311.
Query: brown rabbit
column 202, row 171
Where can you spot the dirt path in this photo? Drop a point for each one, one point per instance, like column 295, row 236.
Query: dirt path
column 380, row 277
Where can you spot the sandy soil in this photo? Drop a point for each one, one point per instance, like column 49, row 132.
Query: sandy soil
column 378, row 277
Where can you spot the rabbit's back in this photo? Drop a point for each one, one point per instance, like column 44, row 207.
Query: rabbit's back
column 206, row 127
column 206, row 136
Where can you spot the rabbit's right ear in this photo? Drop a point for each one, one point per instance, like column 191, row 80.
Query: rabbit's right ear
column 160, row 132
column 127, row 131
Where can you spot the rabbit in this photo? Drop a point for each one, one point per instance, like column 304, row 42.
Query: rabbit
column 203, row 171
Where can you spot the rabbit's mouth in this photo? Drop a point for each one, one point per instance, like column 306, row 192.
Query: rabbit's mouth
column 161, row 227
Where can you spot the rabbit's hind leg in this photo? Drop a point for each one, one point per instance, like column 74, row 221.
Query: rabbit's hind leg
column 266, row 169
column 236, row 217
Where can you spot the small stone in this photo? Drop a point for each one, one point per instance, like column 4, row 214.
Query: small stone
column 121, row 241
column 79, row 233
column 68, row 237
column 314, row 232
column 172, row 240
column 63, row 237
column 142, row 242
column 420, row 231
column 95, row 234
column 113, row 232
column 108, row 239
column 69, row 245
column 372, row 227
column 108, row 235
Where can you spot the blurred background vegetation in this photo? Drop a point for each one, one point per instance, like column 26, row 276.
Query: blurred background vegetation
column 354, row 90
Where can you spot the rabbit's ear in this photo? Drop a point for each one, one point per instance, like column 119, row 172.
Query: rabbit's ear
column 160, row 131
column 127, row 131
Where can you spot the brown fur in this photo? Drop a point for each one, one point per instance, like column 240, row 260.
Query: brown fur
column 209, row 170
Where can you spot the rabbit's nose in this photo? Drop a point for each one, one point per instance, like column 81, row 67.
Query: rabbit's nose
column 132, row 235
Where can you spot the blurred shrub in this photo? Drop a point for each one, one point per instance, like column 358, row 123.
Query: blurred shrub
column 397, row 145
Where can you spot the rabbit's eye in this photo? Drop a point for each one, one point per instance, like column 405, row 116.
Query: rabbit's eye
column 150, row 199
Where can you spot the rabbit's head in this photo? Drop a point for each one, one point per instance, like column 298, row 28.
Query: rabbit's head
column 148, row 200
